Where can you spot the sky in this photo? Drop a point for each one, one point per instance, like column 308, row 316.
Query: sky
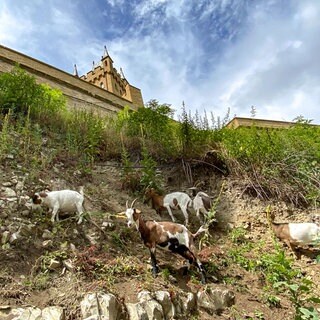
column 214, row 56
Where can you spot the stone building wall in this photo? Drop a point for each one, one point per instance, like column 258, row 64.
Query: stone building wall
column 79, row 93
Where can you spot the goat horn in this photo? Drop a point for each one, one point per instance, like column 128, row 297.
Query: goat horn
column 127, row 204
column 133, row 202
column 197, row 183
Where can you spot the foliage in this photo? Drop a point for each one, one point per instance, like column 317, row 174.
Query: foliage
column 278, row 273
column 270, row 163
column 5, row 137
column 150, row 176
column 19, row 91
column 153, row 123
column 130, row 177
column 276, row 163
column 97, row 265
column 194, row 138
column 84, row 134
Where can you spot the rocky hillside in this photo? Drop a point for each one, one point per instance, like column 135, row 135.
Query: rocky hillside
column 100, row 269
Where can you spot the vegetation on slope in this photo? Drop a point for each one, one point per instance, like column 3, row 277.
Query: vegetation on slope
column 272, row 163
column 38, row 130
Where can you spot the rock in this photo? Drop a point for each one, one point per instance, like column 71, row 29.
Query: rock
column 92, row 239
column 144, row 296
column 5, row 246
column 154, row 310
column 5, row 237
column 54, row 264
column 214, row 299
column 147, row 308
column 19, row 186
column 47, row 243
column 107, row 225
column 47, row 234
column 7, row 184
column 73, row 248
column 164, row 298
column 32, row 313
column 25, row 213
column 136, row 311
column 68, row 264
column 53, row 313
column 26, row 230
column 14, row 181
column 8, row 192
column 100, row 306
column 172, row 279
column 189, row 302
column 29, row 313
column 14, row 238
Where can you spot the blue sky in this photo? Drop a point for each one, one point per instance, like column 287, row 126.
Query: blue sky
column 213, row 55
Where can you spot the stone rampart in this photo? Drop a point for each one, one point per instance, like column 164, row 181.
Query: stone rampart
column 79, row 93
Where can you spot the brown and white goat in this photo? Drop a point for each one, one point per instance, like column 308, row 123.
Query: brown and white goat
column 171, row 201
column 62, row 200
column 295, row 234
column 169, row 235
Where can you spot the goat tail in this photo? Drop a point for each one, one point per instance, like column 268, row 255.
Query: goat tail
column 200, row 230
column 81, row 190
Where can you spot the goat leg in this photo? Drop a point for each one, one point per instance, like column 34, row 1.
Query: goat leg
column 55, row 214
column 170, row 213
column 155, row 268
column 191, row 258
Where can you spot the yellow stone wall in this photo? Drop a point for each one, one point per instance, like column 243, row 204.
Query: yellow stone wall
column 105, row 76
column 79, row 93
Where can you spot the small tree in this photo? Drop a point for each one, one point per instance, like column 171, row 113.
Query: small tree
column 19, row 91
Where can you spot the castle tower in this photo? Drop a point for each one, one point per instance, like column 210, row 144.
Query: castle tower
column 106, row 76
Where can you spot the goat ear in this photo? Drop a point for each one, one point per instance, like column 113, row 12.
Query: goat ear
column 43, row 194
column 137, row 211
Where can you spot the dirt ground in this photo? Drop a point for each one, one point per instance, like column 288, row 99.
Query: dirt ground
column 116, row 260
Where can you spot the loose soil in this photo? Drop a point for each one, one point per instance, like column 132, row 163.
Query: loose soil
column 116, row 261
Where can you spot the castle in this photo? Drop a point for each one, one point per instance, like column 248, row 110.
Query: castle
column 107, row 77
column 102, row 90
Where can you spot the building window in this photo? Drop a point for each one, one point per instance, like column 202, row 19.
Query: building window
column 101, row 85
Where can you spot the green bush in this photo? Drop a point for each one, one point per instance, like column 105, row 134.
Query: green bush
column 276, row 163
column 19, row 92
column 270, row 163
column 154, row 125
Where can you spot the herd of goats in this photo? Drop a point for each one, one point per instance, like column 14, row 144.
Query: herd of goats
column 169, row 234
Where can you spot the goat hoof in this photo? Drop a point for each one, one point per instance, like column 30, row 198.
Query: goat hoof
column 203, row 279
column 185, row 271
column 155, row 272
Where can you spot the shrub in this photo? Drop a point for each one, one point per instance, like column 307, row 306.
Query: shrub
column 19, row 91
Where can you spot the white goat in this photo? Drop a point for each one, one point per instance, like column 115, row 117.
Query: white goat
column 202, row 204
column 172, row 236
column 174, row 201
column 62, row 200
column 295, row 234
column 316, row 218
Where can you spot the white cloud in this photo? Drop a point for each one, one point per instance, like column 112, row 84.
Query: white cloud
column 13, row 27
